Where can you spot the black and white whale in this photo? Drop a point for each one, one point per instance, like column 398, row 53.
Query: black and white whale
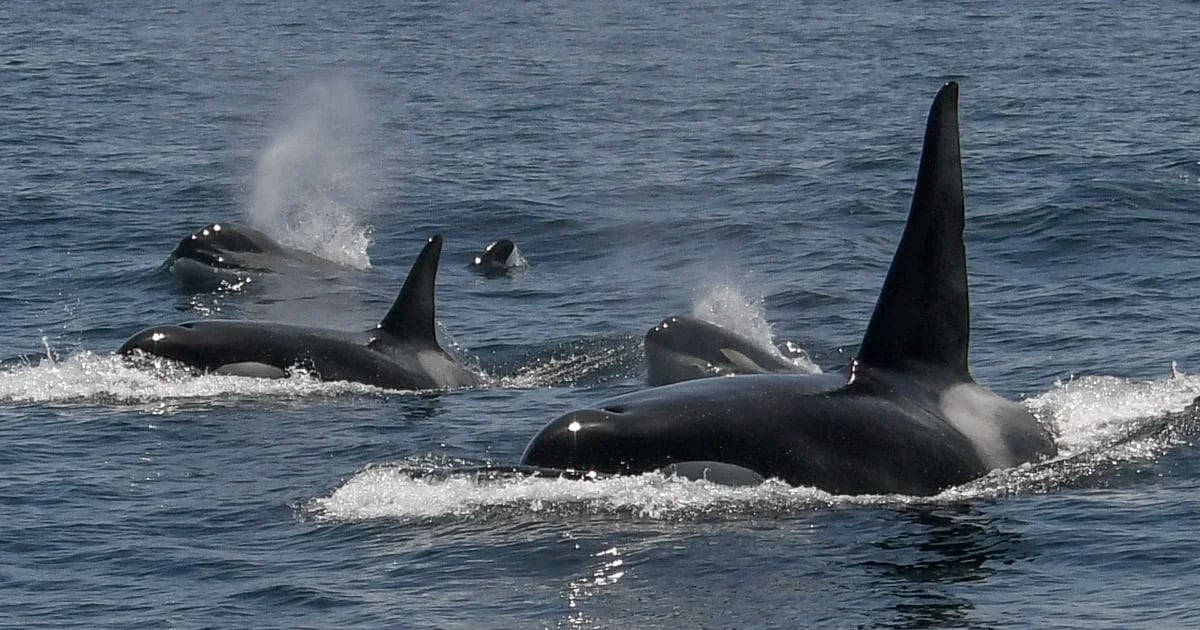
column 904, row 417
column 401, row 352
column 682, row 348
column 499, row 258
column 231, row 252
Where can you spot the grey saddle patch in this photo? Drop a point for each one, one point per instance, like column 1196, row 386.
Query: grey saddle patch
column 743, row 361
column 252, row 369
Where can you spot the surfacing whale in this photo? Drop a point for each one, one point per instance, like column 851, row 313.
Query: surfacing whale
column 499, row 258
column 231, row 252
column 682, row 348
column 401, row 352
column 905, row 417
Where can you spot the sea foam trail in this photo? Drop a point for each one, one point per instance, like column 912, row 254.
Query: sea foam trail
column 1095, row 411
column 84, row 377
column 395, row 492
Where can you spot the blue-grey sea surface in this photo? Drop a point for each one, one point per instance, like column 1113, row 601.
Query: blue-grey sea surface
column 750, row 162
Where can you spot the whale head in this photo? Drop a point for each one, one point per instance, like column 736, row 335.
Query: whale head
column 498, row 258
column 682, row 348
column 175, row 342
column 219, row 245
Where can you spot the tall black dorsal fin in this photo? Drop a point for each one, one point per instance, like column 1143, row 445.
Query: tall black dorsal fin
column 923, row 315
column 412, row 315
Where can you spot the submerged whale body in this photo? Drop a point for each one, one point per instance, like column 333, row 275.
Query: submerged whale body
column 682, row 348
column 401, row 352
column 231, row 251
column 499, row 258
column 904, row 417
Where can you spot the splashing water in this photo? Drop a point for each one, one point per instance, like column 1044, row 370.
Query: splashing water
column 395, row 492
column 1095, row 411
column 728, row 308
column 87, row 378
column 725, row 306
column 309, row 189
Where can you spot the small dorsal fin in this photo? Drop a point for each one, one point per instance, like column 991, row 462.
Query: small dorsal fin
column 412, row 315
column 923, row 312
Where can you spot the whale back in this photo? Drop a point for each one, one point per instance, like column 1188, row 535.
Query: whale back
column 922, row 316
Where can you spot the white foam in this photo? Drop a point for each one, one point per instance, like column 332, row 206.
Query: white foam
column 393, row 492
column 1092, row 411
column 84, row 377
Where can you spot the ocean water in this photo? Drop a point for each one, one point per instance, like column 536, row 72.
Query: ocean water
column 751, row 162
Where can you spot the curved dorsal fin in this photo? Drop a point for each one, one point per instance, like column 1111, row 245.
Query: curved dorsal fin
column 923, row 312
column 412, row 315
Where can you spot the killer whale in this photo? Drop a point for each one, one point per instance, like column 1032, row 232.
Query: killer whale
column 682, row 348
column 905, row 416
column 401, row 352
column 232, row 252
column 499, row 258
